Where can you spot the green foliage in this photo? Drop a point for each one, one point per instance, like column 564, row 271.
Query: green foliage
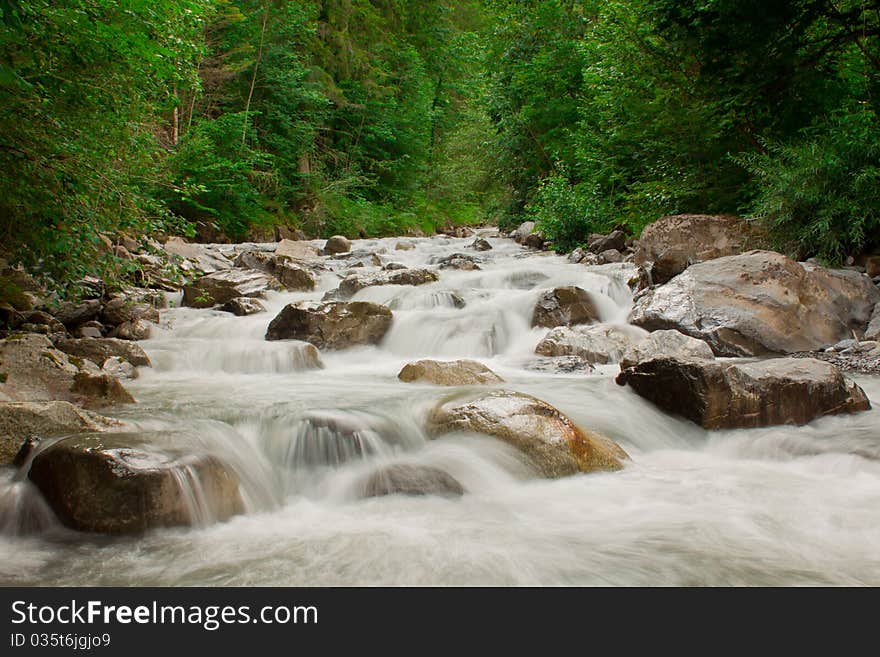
column 567, row 215
column 820, row 195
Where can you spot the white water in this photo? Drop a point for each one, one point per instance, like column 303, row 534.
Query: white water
column 775, row 506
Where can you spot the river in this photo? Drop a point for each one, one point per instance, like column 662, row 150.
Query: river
column 780, row 506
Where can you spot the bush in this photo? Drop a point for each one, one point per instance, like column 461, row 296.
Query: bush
column 567, row 214
column 820, row 196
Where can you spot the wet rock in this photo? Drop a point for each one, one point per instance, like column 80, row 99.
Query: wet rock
column 721, row 395
column 564, row 306
column 448, row 373
column 559, row 364
column 404, row 246
column 299, row 252
column 337, row 244
column 405, row 479
column 480, row 244
column 123, row 309
column 458, row 261
column 665, row 344
column 534, row 240
column 614, row 241
column 353, row 283
column 200, row 258
column 242, row 306
column 551, row 442
column 597, row 344
column 333, row 325
column 671, row 244
column 99, row 390
column 122, row 484
column 294, row 277
column 98, row 350
column 758, row 303
column 23, row 421
column 288, row 272
column 223, row 286
column 576, row 256
column 873, row 330
column 394, row 266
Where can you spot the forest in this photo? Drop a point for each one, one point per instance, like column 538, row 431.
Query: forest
column 233, row 120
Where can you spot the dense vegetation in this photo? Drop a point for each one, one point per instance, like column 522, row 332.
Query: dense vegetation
column 225, row 118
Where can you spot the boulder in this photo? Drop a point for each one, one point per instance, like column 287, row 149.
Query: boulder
column 552, row 443
column 615, row 240
column 724, row 395
column 299, row 252
column 72, row 314
column 458, row 261
column 337, row 244
column 223, row 286
column 534, row 240
column 242, row 306
column 333, row 325
column 291, row 275
column 665, row 344
column 873, row 330
column 525, row 228
column 671, row 244
column 32, row 369
column 200, row 257
column 564, row 306
column 405, row 479
column 122, row 484
column 24, row 421
column 404, row 246
column 609, row 255
column 91, row 329
column 597, row 344
column 136, row 329
column 480, row 244
column 576, row 256
column 448, row 373
column 120, row 368
column 353, row 283
column 98, row 350
column 758, row 303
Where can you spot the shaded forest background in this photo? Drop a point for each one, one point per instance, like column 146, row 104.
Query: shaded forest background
column 222, row 119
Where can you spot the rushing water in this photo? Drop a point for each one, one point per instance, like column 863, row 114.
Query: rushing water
column 776, row 506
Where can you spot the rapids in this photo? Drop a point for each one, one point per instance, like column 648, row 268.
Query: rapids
column 778, row 506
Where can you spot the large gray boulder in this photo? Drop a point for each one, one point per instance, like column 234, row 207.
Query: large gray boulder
column 671, row 244
column 721, row 395
column 551, row 442
column 757, row 303
column 199, row 257
column 448, row 373
column 337, row 244
column 665, row 344
column 24, row 421
column 564, row 306
column 223, row 286
column 118, row 483
column 597, row 344
column 353, row 283
column 333, row 325
column 292, row 275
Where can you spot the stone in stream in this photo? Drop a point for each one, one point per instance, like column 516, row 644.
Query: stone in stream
column 353, row 283
column 665, row 344
column 448, row 373
column 98, row 350
column 298, row 252
column 759, row 303
column 406, row 479
column 480, row 244
column 202, row 259
column 136, row 329
column 32, row 369
column 243, row 306
column 596, row 344
column 564, row 306
column 726, row 395
column 333, row 325
column 551, row 442
column 118, row 483
column 671, row 244
column 123, row 309
column 873, row 330
column 119, row 368
column 404, row 245
column 23, row 421
column 337, row 244
column 290, row 274
column 223, row 286
column 460, row 261
column 615, row 240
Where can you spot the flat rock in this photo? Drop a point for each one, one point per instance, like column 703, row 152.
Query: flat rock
column 596, row 344
column 448, row 373
column 665, row 344
column 405, row 479
column 333, row 325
